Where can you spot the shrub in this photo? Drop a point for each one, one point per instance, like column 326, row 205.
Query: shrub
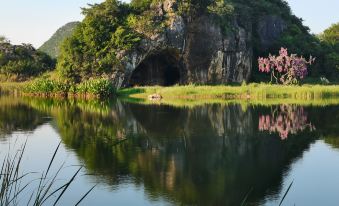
column 46, row 86
column 285, row 69
column 97, row 87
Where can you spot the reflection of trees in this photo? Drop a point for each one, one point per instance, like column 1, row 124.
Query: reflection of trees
column 207, row 155
column 285, row 120
column 17, row 116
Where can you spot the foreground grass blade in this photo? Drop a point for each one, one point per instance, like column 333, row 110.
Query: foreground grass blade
column 243, row 203
column 67, row 185
column 83, row 197
column 288, row 189
column 11, row 189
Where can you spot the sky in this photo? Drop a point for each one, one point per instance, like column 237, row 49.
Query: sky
column 35, row 21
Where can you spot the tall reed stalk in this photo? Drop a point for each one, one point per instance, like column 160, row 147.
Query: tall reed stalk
column 12, row 188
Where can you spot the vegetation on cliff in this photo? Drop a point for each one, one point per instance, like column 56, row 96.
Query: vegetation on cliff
column 112, row 28
column 92, row 49
column 52, row 46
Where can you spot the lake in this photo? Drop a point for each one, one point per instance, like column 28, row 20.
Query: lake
column 217, row 154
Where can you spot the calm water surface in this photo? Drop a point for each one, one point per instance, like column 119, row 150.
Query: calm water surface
column 163, row 155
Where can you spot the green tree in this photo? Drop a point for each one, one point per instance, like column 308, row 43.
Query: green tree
column 93, row 46
column 23, row 61
column 330, row 43
column 3, row 39
column 331, row 35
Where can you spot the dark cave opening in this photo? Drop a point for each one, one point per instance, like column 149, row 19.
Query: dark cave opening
column 161, row 69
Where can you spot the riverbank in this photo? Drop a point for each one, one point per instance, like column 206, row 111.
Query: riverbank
column 181, row 95
column 253, row 94
column 94, row 88
column 252, row 91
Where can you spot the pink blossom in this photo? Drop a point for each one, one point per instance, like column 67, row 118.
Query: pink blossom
column 286, row 69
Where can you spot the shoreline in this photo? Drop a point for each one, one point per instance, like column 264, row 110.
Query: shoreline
column 245, row 92
column 254, row 93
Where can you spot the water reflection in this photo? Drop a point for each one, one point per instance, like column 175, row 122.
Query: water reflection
column 285, row 120
column 206, row 155
column 17, row 116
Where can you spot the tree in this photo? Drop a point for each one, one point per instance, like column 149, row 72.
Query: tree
column 285, row 69
column 3, row 39
column 22, row 61
column 331, row 35
column 330, row 43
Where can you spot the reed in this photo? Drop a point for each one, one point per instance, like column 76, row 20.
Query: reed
column 12, row 189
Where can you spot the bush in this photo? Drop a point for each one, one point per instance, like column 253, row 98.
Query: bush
column 46, row 86
column 96, row 87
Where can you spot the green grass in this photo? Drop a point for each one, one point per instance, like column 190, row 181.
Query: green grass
column 252, row 93
column 50, row 87
column 192, row 95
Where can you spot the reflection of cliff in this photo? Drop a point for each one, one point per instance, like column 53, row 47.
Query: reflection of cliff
column 285, row 120
column 212, row 147
column 206, row 155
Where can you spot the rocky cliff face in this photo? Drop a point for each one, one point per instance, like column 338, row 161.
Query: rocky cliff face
column 190, row 50
column 270, row 27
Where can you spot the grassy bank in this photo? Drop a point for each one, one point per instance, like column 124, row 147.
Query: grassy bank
column 253, row 92
column 183, row 95
column 97, row 88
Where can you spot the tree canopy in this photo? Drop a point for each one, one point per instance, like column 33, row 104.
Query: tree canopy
column 331, row 35
column 23, row 61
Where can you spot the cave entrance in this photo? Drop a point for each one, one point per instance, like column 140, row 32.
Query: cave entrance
column 157, row 69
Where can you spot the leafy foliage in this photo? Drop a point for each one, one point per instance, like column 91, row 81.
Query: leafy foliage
column 47, row 87
column 23, row 61
column 3, row 39
column 285, row 69
column 330, row 44
column 331, row 35
column 94, row 45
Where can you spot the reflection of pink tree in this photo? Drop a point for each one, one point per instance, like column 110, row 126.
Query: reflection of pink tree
column 285, row 120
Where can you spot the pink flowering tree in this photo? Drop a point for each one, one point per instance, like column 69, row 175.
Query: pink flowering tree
column 285, row 69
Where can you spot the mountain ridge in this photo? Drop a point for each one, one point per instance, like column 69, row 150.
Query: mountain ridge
column 52, row 45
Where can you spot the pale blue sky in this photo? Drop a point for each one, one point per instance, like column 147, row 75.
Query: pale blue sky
column 34, row 21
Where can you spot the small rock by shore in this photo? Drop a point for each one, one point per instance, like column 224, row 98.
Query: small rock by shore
column 155, row 97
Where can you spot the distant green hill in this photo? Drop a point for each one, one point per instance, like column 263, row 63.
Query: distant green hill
column 51, row 47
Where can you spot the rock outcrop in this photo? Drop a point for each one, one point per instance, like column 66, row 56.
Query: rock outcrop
column 190, row 50
column 270, row 27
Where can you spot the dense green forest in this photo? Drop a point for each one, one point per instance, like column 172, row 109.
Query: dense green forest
column 91, row 48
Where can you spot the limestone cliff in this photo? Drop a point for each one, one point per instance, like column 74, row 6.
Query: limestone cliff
column 190, row 50
column 168, row 42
